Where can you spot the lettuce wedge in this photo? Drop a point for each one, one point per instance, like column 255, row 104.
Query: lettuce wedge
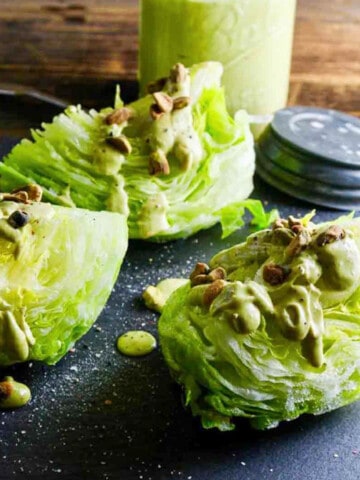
column 57, row 270
column 270, row 329
column 174, row 168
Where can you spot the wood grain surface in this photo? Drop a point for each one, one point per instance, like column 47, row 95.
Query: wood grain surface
column 79, row 49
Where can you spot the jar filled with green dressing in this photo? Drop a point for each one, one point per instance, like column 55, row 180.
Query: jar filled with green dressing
column 251, row 38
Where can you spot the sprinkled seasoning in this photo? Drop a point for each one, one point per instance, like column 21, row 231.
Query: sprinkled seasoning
column 136, row 343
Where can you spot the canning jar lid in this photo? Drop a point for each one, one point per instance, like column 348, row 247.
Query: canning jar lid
column 312, row 154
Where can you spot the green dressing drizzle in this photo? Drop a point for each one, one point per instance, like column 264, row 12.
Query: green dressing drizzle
column 136, row 343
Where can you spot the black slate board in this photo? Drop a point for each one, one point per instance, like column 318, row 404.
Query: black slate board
column 99, row 415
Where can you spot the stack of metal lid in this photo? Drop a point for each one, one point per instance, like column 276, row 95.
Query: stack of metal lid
column 312, row 154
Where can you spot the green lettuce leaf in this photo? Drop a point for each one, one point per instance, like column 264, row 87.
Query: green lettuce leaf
column 267, row 374
column 56, row 275
column 73, row 161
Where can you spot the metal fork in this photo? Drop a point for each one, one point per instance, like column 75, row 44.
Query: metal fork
column 17, row 90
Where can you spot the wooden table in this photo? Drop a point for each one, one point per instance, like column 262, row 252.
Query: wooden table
column 80, row 49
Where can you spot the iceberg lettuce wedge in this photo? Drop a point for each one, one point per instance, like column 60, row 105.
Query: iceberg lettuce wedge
column 271, row 328
column 71, row 161
column 174, row 167
column 57, row 270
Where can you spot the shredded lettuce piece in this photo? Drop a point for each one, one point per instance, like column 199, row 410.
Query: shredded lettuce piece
column 233, row 217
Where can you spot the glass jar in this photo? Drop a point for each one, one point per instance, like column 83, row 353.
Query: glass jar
column 251, row 38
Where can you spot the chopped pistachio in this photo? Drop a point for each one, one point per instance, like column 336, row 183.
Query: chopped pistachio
column 297, row 228
column 332, row 234
column 163, row 101
column 119, row 115
column 33, row 191
column 178, row 73
column 200, row 280
column 200, row 269
column 275, row 274
column 280, row 223
column 298, row 243
column 121, row 143
column 202, row 274
column 155, row 111
column 158, row 163
column 218, row 273
column 293, row 221
column 181, row 102
column 212, row 291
